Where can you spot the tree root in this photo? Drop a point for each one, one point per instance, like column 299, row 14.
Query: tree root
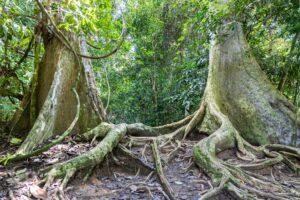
column 159, row 170
column 88, row 159
column 112, row 135
column 236, row 179
column 136, row 158
column 215, row 191
column 196, row 120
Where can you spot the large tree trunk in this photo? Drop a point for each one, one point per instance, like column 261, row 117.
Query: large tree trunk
column 241, row 107
column 55, row 101
column 243, row 92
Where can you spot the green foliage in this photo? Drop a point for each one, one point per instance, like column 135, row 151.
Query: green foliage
column 159, row 74
column 15, row 141
column 162, row 76
column 16, row 30
column 5, row 160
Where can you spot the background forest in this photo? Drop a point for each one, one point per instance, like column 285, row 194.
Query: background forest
column 159, row 73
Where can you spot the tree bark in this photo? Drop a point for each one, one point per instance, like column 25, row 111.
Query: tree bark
column 57, row 75
column 243, row 92
column 242, row 106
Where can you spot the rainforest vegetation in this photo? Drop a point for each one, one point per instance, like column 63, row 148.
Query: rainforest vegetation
column 150, row 99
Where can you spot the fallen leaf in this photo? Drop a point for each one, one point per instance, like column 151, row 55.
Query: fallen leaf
column 23, row 197
column 15, row 141
column 38, row 192
column 95, row 181
column 133, row 188
column 3, row 174
column 178, row 182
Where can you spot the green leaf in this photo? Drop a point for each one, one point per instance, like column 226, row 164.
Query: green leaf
column 15, row 141
column 24, row 42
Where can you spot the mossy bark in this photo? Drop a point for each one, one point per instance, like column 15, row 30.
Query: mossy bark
column 242, row 106
column 243, row 92
column 93, row 157
column 56, row 103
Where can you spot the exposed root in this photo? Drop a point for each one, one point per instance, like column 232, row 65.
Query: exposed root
column 173, row 153
column 196, row 120
column 141, row 130
column 168, row 128
column 235, row 178
column 262, row 164
column 99, row 131
column 238, row 182
column 159, row 170
column 88, row 159
column 173, row 136
column 284, row 148
column 136, row 158
column 215, row 191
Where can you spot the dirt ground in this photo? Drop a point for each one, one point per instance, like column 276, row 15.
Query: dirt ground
column 121, row 177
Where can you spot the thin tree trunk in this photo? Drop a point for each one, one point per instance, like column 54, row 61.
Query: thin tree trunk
column 287, row 66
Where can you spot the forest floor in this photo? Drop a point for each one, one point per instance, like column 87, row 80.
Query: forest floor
column 121, row 177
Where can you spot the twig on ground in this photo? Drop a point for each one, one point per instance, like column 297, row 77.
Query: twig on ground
column 149, row 176
column 173, row 153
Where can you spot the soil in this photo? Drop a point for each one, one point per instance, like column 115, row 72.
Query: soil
column 120, row 177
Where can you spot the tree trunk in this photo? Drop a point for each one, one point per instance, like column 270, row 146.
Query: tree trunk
column 243, row 92
column 241, row 107
column 57, row 75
